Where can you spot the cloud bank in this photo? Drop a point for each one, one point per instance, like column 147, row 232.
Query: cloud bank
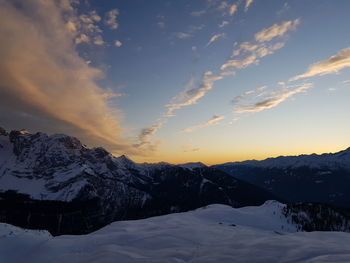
column 44, row 80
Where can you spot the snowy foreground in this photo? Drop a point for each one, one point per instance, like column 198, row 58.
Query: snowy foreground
column 216, row 233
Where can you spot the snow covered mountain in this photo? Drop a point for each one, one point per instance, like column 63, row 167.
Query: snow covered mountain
column 216, row 233
column 306, row 178
column 56, row 183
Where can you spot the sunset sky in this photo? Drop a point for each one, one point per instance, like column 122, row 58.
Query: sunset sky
column 182, row 80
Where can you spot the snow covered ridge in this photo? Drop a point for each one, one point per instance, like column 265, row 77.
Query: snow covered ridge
column 56, row 183
column 313, row 178
column 216, row 233
column 327, row 160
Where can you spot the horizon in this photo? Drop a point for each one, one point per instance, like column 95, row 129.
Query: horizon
column 172, row 163
column 180, row 81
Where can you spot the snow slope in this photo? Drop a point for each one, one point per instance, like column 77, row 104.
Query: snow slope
column 216, row 233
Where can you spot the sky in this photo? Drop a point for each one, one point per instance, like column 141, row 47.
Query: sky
column 180, row 81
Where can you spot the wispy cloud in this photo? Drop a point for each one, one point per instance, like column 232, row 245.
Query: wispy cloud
column 268, row 100
column 199, row 13
column 98, row 40
column 247, row 4
column 118, row 43
column 145, row 137
column 194, row 28
column 192, row 94
column 111, row 19
column 223, row 5
column 233, row 9
column 189, row 32
column 250, row 53
column 331, row 65
column 245, row 55
column 189, row 96
column 190, row 148
column 224, row 23
column 161, row 24
column 182, row 35
column 277, row 30
column 211, row 122
column 215, row 37
column 48, row 80
column 84, row 28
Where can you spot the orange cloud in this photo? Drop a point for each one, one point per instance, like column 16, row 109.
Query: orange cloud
column 43, row 76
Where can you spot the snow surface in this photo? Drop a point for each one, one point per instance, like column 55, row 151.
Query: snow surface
column 216, row 233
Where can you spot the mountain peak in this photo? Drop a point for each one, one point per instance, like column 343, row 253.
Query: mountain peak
column 193, row 165
column 125, row 160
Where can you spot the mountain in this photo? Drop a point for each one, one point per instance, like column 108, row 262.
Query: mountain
column 306, row 178
column 56, row 183
column 216, row 233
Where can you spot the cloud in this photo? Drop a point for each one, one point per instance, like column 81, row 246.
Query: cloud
column 82, row 38
column 211, row 122
column 43, row 80
column 190, row 149
column 111, row 19
column 192, row 94
column 251, row 54
column 277, row 30
column 84, row 28
column 193, row 28
column 117, row 43
column 331, row 65
column 223, row 5
column 198, row 13
column 247, row 4
column 145, row 137
column 98, row 40
column 332, row 89
column 246, row 55
column 233, row 9
column 189, row 32
column 224, row 23
column 249, row 92
column 161, row 24
column 284, row 9
column 270, row 100
column 236, row 63
column 183, row 35
column 215, row 37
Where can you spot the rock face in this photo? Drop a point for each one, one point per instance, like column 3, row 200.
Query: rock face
column 306, row 178
column 56, row 183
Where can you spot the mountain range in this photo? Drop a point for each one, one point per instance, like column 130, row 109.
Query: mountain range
column 58, row 184
column 321, row 178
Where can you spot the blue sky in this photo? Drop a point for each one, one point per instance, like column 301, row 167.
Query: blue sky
column 261, row 98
